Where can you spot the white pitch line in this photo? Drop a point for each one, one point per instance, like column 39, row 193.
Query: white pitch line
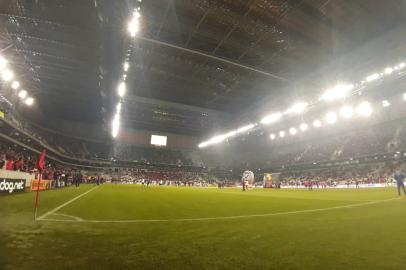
column 224, row 218
column 65, row 204
column 68, row 216
column 288, row 198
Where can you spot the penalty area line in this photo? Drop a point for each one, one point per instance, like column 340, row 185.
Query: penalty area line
column 222, row 218
column 42, row 217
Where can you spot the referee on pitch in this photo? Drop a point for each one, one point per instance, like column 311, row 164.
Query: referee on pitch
column 400, row 177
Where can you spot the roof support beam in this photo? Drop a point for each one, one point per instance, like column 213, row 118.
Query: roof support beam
column 214, row 58
column 169, row 104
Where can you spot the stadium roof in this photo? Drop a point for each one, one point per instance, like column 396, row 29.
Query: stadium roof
column 196, row 64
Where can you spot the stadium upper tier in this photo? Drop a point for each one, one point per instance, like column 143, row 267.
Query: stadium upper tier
column 373, row 143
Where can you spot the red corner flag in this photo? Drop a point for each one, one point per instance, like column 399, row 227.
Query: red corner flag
column 41, row 161
column 40, row 164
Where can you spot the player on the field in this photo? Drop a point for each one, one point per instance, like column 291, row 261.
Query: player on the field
column 400, row 177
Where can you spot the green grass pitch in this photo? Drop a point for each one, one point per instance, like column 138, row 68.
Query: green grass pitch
column 132, row 227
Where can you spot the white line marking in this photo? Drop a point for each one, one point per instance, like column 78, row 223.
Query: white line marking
column 68, row 216
column 224, row 218
column 65, row 204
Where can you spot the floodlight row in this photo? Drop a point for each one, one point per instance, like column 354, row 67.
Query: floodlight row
column 364, row 109
column 133, row 29
column 7, row 75
column 337, row 92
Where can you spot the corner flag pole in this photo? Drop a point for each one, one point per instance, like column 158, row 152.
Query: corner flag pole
column 40, row 166
column 37, row 195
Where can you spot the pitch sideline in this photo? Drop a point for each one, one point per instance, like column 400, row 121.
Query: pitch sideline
column 221, row 218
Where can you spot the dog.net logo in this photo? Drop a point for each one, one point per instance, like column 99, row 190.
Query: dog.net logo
column 12, row 185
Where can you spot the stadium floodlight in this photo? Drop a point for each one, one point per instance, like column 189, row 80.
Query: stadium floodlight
column 231, row 133
column 203, row 144
column 317, row 123
column 373, row 77
column 217, row 139
column 115, row 125
column 404, row 96
column 388, row 70
column 304, row 126
column 297, row 108
column 281, row 133
column 292, row 131
column 134, row 25
column 272, row 136
column 271, row 118
column 126, row 66
column 118, row 108
column 364, row 109
column 7, row 75
column 3, row 63
column 245, row 128
column 402, row 65
column 121, row 89
column 29, row 101
column 15, row 85
column 22, row 94
column 337, row 92
column 331, row 118
column 385, row 103
column 346, row 112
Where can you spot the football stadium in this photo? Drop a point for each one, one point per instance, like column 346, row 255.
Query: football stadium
column 202, row 134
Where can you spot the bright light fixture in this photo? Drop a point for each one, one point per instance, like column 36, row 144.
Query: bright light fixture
column 115, row 125
column 134, row 25
column 282, row 134
column 317, row 123
column 346, row 112
column 271, row 118
column 29, row 101
column 121, row 89
column 15, row 85
column 331, row 118
column 364, row 109
column 203, row 144
column 304, row 126
column 297, row 108
column 118, row 108
column 126, row 66
column 404, row 96
column 222, row 137
column 231, row 133
column 245, row 128
column 22, row 94
column 272, row 136
column 388, row 70
column 402, row 65
column 7, row 75
column 292, row 131
column 385, row 103
column 373, row 77
column 218, row 139
column 337, row 92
